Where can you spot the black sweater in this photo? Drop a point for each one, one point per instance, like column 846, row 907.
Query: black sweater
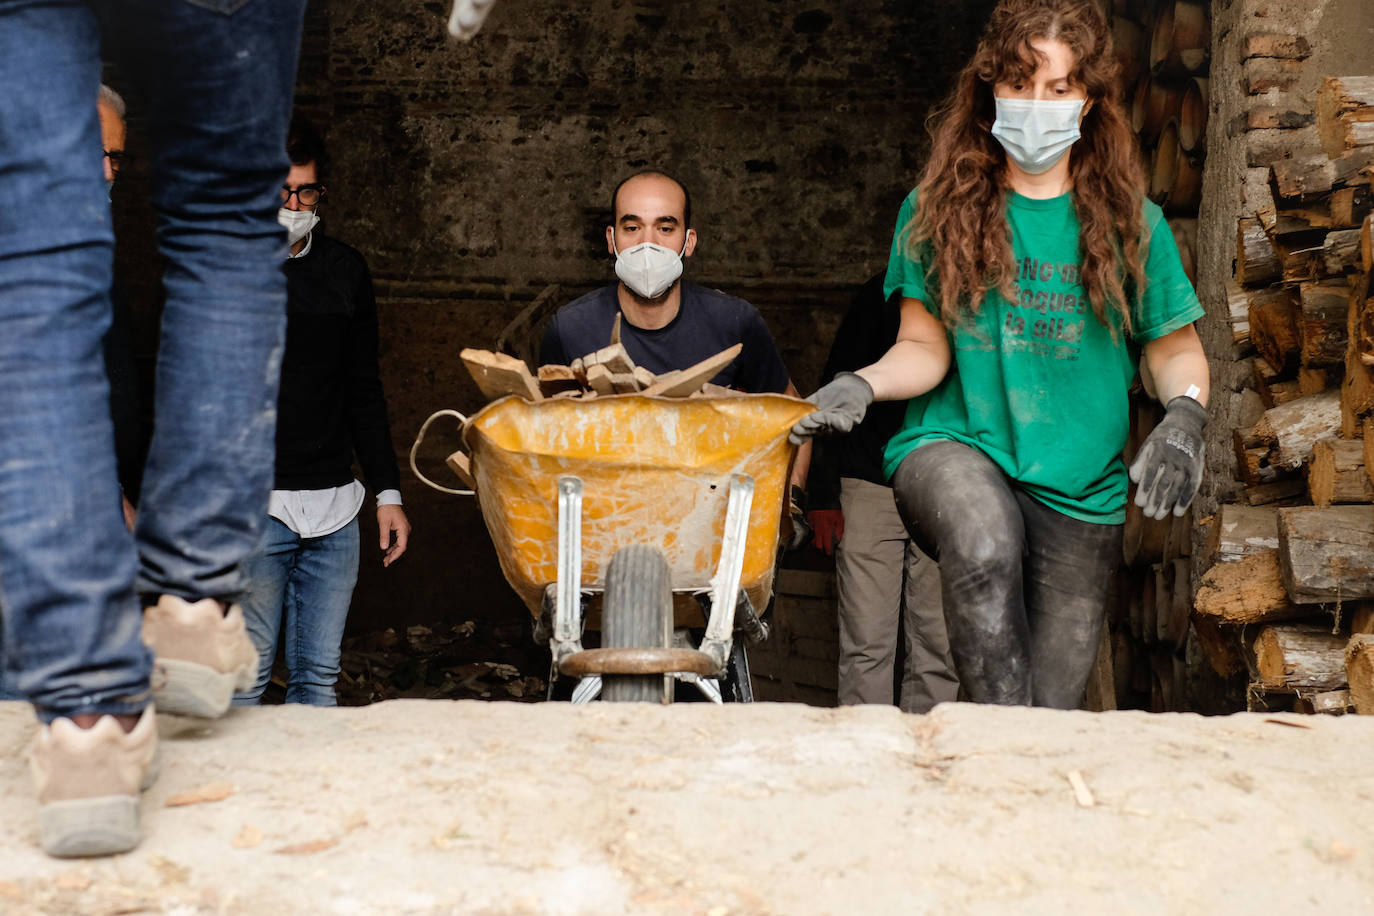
column 331, row 405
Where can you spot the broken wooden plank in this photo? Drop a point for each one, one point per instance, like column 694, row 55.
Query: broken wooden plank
column 1327, row 554
column 459, row 463
column 599, row 379
column 690, row 379
column 498, row 375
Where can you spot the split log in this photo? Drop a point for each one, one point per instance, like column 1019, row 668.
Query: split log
column 1337, row 474
column 1362, row 620
column 1345, row 113
column 599, row 379
column 1367, row 244
column 1279, row 492
column 1328, row 702
column 1350, row 206
column 1219, row 645
column 1313, row 380
column 1311, row 174
column 1156, row 103
column 1274, row 328
column 1241, row 531
column 1142, row 539
column 1341, row 253
column 1300, row 657
column 498, row 375
column 1359, row 673
column 1294, row 426
column 1325, row 308
column 1164, row 600
column 1128, row 44
column 1238, row 311
column 1192, row 116
column 1257, row 263
column 1164, row 163
column 1357, row 388
column 614, row 357
column 1249, row 590
column 1327, row 554
column 1181, row 41
column 1180, row 603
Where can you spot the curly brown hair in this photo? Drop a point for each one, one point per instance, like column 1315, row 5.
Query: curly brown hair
column 963, row 189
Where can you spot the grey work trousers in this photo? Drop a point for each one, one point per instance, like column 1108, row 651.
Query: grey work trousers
column 883, row 578
column 1024, row 586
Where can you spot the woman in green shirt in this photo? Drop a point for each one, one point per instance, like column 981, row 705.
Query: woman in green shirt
column 1032, row 273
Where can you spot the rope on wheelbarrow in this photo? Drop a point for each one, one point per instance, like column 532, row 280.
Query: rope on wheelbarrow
column 415, row 449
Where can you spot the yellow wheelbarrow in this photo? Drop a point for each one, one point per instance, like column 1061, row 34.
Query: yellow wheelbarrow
column 667, row 510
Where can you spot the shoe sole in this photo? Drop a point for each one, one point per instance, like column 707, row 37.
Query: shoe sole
column 189, row 689
column 89, row 826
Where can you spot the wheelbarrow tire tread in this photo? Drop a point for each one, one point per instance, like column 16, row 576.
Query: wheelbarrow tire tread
column 637, row 613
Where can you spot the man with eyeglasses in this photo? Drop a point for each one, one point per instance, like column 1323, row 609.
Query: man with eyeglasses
column 118, row 344
column 330, row 409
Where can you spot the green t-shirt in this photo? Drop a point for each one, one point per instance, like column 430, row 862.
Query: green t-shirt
column 1039, row 385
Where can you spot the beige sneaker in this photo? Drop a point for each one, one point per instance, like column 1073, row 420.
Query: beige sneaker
column 88, row 780
column 202, row 655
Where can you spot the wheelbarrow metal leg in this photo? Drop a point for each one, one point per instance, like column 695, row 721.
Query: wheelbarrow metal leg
column 725, row 583
column 567, row 623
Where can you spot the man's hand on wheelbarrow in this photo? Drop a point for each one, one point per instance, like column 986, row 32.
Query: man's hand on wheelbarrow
column 840, row 406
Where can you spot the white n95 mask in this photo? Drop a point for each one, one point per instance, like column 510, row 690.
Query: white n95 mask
column 648, row 269
column 1036, row 134
column 298, row 223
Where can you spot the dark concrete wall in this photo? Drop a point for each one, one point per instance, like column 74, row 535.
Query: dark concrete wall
column 472, row 175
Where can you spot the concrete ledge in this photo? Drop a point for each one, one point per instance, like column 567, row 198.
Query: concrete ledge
column 467, row 807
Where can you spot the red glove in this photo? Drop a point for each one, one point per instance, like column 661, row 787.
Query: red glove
column 828, row 525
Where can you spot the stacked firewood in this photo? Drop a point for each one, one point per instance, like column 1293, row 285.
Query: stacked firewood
column 1164, row 49
column 606, row 371
column 1290, row 582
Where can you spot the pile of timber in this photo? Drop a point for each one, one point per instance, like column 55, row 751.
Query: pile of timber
column 1163, row 48
column 1164, row 52
column 1288, row 594
column 604, row 372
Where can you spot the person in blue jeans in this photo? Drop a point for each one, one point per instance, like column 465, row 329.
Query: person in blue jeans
column 90, row 607
column 331, row 408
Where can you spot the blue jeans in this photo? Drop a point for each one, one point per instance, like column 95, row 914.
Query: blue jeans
column 301, row 587
column 217, row 86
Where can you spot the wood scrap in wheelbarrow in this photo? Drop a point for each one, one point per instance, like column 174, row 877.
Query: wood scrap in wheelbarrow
column 607, row 371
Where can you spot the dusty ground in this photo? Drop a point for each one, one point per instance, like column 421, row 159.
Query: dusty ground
column 472, row 807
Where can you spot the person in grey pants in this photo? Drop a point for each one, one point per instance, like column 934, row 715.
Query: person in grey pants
column 888, row 588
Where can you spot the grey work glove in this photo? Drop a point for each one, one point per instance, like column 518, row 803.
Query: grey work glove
column 840, row 406
column 1168, row 469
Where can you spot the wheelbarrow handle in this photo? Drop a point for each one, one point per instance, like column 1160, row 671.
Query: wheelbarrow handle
column 415, row 450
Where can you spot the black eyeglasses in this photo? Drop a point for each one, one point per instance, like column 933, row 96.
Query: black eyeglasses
column 118, row 159
column 307, row 194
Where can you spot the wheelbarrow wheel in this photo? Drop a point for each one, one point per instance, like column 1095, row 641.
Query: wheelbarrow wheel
column 637, row 613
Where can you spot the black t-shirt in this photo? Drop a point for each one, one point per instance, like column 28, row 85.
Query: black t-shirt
column 707, row 322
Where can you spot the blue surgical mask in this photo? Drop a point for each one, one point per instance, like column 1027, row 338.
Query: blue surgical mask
column 109, row 190
column 1037, row 133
